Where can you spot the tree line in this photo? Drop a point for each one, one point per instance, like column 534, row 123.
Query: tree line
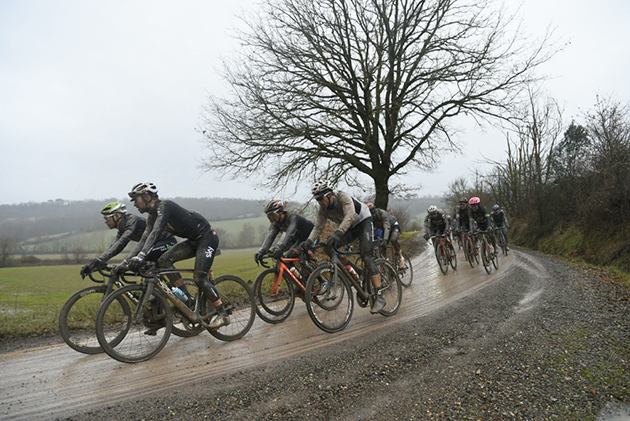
column 566, row 187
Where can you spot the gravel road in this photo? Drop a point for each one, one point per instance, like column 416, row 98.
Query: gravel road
column 548, row 343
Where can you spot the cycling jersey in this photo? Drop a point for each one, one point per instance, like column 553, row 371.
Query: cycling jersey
column 481, row 216
column 130, row 228
column 346, row 211
column 436, row 224
column 168, row 216
column 500, row 220
column 296, row 229
column 385, row 221
column 463, row 219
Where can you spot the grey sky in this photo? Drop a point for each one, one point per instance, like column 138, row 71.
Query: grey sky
column 88, row 87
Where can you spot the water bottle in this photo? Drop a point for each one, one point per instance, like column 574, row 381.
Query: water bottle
column 179, row 294
column 296, row 272
column 353, row 272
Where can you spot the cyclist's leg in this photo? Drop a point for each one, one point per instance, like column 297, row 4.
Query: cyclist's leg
column 206, row 250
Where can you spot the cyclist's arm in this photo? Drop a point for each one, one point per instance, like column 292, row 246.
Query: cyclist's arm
column 271, row 235
column 347, row 205
column 120, row 242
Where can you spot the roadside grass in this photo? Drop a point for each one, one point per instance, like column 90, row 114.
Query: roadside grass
column 31, row 298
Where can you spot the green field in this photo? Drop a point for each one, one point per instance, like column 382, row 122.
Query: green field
column 31, row 298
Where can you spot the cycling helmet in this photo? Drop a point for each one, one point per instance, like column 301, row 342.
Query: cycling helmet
column 432, row 209
column 114, row 208
column 142, row 188
column 474, row 201
column 320, row 189
column 496, row 208
column 274, row 206
column 371, row 206
column 463, row 200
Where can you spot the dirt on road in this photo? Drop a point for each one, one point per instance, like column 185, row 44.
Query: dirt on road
column 537, row 340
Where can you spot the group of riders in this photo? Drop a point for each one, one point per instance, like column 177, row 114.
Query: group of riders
column 156, row 241
column 467, row 216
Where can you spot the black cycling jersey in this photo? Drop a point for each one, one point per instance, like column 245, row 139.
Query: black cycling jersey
column 436, row 224
column 296, row 229
column 499, row 218
column 130, row 228
column 481, row 216
column 463, row 219
column 168, row 216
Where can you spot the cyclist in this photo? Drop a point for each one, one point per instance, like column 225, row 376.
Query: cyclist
column 130, row 228
column 501, row 222
column 436, row 223
column 353, row 221
column 462, row 219
column 200, row 241
column 478, row 213
column 295, row 229
column 388, row 223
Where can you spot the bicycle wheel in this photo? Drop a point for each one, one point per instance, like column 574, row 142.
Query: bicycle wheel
column 77, row 320
column 390, row 285
column 147, row 329
column 452, row 256
column 485, row 255
column 182, row 326
column 440, row 255
column 329, row 299
column 239, row 303
column 275, row 297
column 503, row 242
column 495, row 258
column 405, row 273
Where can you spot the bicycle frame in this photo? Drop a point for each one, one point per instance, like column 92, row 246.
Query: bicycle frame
column 339, row 266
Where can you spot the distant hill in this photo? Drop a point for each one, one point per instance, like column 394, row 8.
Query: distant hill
column 36, row 223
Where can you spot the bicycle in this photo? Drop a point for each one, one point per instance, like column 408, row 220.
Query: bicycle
column 142, row 314
column 444, row 252
column 501, row 239
column 77, row 317
column 329, row 298
column 383, row 250
column 488, row 254
column 275, row 288
column 471, row 249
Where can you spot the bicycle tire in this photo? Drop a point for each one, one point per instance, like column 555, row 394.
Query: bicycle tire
column 240, row 305
column 77, row 320
column 405, row 273
column 138, row 343
column 331, row 310
column 390, row 285
column 495, row 258
column 275, row 298
column 485, row 255
column 453, row 256
column 442, row 259
column 183, row 327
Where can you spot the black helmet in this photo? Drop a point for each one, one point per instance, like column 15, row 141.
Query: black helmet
column 463, row 200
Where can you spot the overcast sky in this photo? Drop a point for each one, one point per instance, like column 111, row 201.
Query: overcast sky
column 98, row 95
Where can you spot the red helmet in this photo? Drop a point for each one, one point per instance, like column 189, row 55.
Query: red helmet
column 474, row 201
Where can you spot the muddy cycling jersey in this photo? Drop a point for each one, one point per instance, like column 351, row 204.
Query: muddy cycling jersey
column 130, row 228
column 345, row 211
column 436, row 224
column 168, row 216
column 296, row 229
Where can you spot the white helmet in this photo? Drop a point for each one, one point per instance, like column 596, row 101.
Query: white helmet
column 320, row 188
column 141, row 188
column 432, row 209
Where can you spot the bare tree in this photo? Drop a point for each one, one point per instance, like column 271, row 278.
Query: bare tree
column 351, row 88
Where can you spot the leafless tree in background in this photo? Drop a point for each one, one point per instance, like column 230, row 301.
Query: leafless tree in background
column 351, row 88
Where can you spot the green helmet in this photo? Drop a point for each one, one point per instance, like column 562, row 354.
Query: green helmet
column 113, row 208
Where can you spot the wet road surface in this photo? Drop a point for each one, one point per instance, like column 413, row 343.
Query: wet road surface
column 55, row 381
